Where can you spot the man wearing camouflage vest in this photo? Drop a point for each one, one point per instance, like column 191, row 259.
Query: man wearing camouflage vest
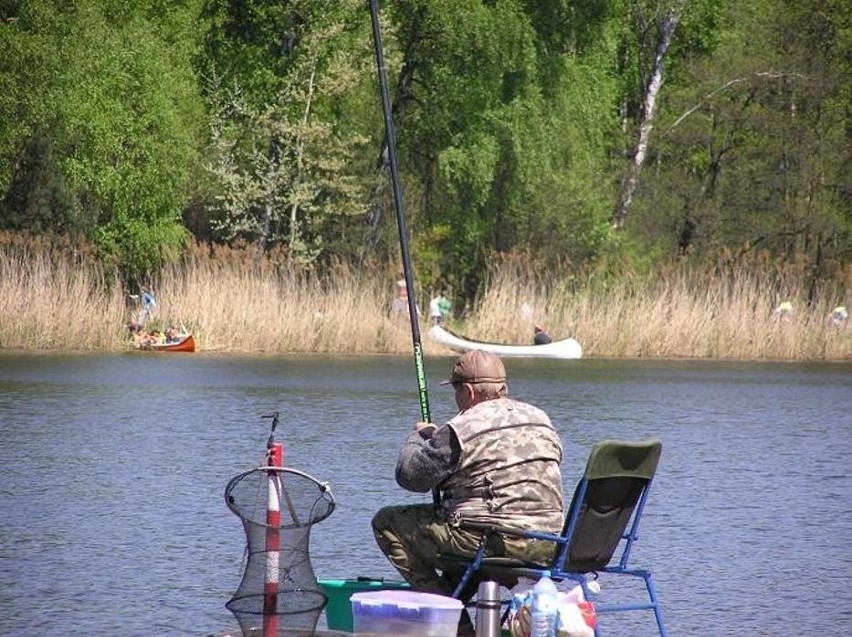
column 497, row 461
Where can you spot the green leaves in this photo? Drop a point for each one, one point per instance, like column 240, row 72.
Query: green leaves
column 753, row 149
column 117, row 102
column 514, row 121
column 284, row 159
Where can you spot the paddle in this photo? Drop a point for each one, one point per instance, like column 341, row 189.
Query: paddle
column 400, row 222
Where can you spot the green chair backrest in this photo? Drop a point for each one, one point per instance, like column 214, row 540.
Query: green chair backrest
column 623, row 459
column 617, row 474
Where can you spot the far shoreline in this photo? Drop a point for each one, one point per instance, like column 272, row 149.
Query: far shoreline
column 240, row 307
column 246, row 353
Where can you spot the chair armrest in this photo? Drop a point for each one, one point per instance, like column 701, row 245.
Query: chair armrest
column 496, row 529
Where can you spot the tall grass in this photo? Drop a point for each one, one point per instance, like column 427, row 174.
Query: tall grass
column 56, row 299
column 236, row 301
column 676, row 313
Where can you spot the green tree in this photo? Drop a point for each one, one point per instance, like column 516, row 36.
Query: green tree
column 754, row 148
column 287, row 161
column 37, row 199
column 111, row 88
column 508, row 130
column 665, row 21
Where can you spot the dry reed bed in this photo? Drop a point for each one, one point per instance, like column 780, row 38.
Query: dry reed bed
column 252, row 306
column 669, row 317
column 57, row 305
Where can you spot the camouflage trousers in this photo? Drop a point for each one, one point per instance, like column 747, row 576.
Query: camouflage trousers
column 413, row 538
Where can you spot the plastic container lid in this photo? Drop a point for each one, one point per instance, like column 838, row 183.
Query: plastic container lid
column 406, row 599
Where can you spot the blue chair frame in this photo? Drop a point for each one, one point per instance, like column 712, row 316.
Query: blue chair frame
column 604, row 514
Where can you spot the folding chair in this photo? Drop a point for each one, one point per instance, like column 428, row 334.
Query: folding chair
column 604, row 514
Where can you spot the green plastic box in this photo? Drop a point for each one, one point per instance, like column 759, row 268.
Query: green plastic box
column 338, row 611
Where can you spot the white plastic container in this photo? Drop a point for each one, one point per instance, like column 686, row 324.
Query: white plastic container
column 398, row 612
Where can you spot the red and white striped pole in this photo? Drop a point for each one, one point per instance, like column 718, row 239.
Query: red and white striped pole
column 275, row 458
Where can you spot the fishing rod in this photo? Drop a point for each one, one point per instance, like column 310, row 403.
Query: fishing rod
column 400, row 222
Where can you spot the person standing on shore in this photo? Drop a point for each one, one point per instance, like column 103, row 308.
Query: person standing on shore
column 784, row 312
column 148, row 303
column 399, row 307
column 445, row 306
column 439, row 308
column 838, row 316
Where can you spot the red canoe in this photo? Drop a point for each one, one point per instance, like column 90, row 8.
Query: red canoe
column 186, row 344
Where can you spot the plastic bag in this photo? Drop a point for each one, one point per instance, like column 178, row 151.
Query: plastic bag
column 575, row 616
column 576, row 619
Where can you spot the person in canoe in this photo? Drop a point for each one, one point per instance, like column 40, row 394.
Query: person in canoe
column 497, row 461
column 146, row 339
column 173, row 335
column 540, row 336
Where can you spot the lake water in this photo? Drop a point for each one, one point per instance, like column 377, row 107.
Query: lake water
column 113, row 470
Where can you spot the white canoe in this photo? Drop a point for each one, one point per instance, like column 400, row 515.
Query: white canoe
column 566, row 348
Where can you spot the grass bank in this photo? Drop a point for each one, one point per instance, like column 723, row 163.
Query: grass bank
column 61, row 299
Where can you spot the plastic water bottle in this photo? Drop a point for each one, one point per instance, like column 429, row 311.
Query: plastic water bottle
column 545, row 600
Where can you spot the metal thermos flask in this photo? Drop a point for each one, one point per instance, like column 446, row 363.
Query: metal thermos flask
column 488, row 610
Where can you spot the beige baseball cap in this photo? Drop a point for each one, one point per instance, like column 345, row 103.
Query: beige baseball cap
column 477, row 366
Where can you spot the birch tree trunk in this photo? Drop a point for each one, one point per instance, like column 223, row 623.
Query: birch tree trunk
column 300, row 150
column 631, row 180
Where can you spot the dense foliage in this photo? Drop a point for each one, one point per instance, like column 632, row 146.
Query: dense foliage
column 99, row 123
column 580, row 133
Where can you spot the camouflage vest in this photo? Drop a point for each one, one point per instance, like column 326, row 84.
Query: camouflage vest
column 509, row 467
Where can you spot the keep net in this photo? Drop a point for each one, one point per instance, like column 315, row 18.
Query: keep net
column 278, row 594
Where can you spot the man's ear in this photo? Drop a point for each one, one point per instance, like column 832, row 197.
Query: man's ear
column 470, row 393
